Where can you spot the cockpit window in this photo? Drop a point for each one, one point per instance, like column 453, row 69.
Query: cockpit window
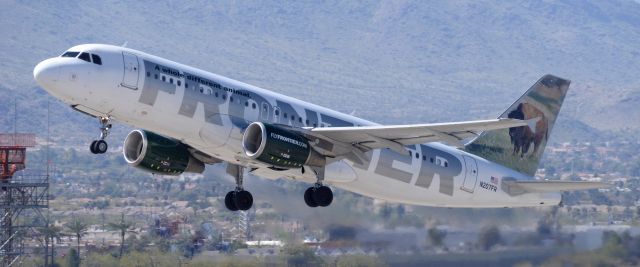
column 96, row 59
column 84, row 56
column 70, row 54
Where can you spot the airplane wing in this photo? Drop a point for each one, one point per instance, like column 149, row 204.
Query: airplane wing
column 395, row 137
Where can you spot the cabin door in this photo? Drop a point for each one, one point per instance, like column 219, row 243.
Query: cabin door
column 131, row 69
column 470, row 175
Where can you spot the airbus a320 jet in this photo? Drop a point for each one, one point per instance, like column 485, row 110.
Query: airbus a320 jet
column 190, row 118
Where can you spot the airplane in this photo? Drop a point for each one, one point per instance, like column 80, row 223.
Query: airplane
column 190, row 118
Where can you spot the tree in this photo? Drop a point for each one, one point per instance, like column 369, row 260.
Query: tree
column 341, row 232
column 79, row 229
column 51, row 233
column 299, row 256
column 489, row 237
column 123, row 227
column 73, row 260
column 436, row 236
column 359, row 260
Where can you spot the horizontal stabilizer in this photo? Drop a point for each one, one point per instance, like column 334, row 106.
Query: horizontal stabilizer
column 521, row 187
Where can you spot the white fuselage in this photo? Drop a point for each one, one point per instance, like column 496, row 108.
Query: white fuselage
column 209, row 112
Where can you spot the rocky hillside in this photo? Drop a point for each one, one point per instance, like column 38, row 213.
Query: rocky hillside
column 391, row 62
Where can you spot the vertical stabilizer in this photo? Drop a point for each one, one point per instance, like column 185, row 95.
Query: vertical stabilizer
column 521, row 148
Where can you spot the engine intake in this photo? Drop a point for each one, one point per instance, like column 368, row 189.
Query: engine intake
column 279, row 147
column 158, row 154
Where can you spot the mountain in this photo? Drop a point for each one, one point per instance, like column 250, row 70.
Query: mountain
column 390, row 62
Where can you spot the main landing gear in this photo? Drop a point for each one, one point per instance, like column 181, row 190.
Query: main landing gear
column 319, row 194
column 100, row 146
column 238, row 199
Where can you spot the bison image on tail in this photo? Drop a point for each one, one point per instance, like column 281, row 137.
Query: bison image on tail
column 539, row 107
column 522, row 137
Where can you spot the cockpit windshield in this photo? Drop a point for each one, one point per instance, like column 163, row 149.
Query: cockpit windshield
column 70, row 54
column 85, row 56
column 95, row 59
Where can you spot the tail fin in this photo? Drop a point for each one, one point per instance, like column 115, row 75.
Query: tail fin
column 521, row 148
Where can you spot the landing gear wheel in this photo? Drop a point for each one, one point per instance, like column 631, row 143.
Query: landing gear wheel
column 92, row 147
column 243, row 200
column 323, row 196
column 101, row 147
column 229, row 201
column 239, row 199
column 308, row 198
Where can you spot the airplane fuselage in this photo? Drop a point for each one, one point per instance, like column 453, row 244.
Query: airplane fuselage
column 210, row 113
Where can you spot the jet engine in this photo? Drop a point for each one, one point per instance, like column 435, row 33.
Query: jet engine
column 158, row 154
column 279, row 147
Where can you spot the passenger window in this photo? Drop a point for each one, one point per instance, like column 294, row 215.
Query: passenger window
column 253, row 105
column 224, row 97
column 171, row 80
column 186, row 85
column 446, row 164
column 417, row 155
column 96, row 59
column 300, row 119
column 70, row 54
column 148, row 74
column 315, row 125
column 246, row 103
column 231, row 99
column 306, row 122
column 84, row 56
column 179, row 83
column 424, row 158
column 285, row 115
column 156, row 76
column 164, row 79
column 277, row 112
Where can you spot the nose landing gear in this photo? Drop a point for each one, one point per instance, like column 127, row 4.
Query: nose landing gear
column 238, row 199
column 100, row 146
column 318, row 195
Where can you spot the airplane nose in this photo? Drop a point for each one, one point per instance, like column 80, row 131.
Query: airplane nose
column 46, row 73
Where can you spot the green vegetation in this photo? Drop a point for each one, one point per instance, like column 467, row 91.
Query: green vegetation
column 123, row 227
column 359, row 261
column 300, row 256
column 79, row 229
column 488, row 237
column 436, row 236
column 617, row 250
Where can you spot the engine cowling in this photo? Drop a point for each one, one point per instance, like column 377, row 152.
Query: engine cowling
column 158, row 154
column 279, row 147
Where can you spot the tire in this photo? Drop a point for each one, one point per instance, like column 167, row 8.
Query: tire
column 228, row 201
column 101, row 146
column 92, row 147
column 308, row 198
column 323, row 196
column 243, row 200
